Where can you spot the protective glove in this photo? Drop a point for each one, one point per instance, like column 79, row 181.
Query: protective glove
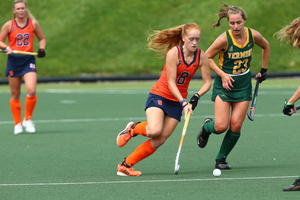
column 194, row 100
column 41, row 53
column 263, row 77
column 288, row 109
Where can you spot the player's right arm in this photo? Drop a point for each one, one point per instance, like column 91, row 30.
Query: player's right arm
column 289, row 107
column 4, row 33
column 218, row 45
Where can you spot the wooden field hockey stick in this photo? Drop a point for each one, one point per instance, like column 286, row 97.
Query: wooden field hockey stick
column 20, row 52
column 186, row 123
column 253, row 104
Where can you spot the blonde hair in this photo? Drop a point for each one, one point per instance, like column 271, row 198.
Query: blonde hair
column 162, row 41
column 228, row 10
column 291, row 33
column 28, row 14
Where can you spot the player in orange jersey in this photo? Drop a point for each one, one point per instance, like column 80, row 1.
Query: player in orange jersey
column 20, row 32
column 167, row 98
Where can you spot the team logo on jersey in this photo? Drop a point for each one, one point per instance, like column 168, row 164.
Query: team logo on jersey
column 32, row 66
column 230, row 48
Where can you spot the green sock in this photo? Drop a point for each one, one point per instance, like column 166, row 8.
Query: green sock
column 210, row 126
column 228, row 143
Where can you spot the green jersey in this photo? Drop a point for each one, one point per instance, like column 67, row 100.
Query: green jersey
column 235, row 60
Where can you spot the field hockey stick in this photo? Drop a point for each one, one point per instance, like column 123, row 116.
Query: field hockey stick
column 186, row 123
column 19, row 52
column 253, row 104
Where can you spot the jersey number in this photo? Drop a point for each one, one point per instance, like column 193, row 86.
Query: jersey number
column 240, row 66
column 181, row 79
column 23, row 39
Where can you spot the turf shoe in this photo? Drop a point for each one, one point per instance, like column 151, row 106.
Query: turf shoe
column 18, row 129
column 294, row 187
column 222, row 164
column 202, row 137
column 126, row 170
column 29, row 126
column 125, row 135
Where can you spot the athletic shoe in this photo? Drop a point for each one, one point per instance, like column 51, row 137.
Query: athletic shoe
column 222, row 164
column 29, row 126
column 125, row 135
column 125, row 170
column 18, row 129
column 202, row 137
column 294, row 187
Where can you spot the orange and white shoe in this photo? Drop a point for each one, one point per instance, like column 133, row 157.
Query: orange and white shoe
column 125, row 135
column 127, row 171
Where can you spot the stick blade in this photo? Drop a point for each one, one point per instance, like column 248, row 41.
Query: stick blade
column 176, row 170
column 250, row 116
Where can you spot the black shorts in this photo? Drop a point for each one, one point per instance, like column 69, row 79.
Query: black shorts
column 18, row 65
column 170, row 108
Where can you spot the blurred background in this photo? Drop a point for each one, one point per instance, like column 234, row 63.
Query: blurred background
column 100, row 38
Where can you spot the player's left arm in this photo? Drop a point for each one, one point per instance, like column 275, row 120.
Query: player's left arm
column 205, row 73
column 264, row 44
column 206, row 78
column 39, row 34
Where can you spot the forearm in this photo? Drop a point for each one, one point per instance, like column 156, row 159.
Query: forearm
column 295, row 97
column 265, row 57
column 42, row 43
column 213, row 66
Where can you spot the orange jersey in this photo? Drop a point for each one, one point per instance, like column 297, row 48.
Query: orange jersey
column 21, row 39
column 185, row 72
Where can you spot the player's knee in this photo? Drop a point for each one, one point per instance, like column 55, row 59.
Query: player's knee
column 236, row 127
column 220, row 128
column 31, row 93
column 153, row 132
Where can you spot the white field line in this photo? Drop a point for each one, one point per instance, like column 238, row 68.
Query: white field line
column 144, row 181
column 128, row 118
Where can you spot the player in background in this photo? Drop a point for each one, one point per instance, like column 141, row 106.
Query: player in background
column 291, row 33
column 232, row 89
column 167, row 98
column 20, row 32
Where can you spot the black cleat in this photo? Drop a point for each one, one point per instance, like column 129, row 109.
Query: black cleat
column 202, row 137
column 222, row 164
column 294, row 187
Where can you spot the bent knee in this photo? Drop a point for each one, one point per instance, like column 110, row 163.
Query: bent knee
column 220, row 129
column 152, row 133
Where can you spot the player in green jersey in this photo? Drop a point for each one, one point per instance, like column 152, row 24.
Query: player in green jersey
column 232, row 86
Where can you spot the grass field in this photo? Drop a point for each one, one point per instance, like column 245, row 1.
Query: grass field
column 73, row 154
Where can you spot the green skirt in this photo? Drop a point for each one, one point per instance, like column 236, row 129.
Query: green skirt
column 242, row 90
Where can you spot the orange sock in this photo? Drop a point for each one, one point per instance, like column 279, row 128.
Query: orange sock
column 29, row 106
column 140, row 153
column 15, row 107
column 140, row 129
